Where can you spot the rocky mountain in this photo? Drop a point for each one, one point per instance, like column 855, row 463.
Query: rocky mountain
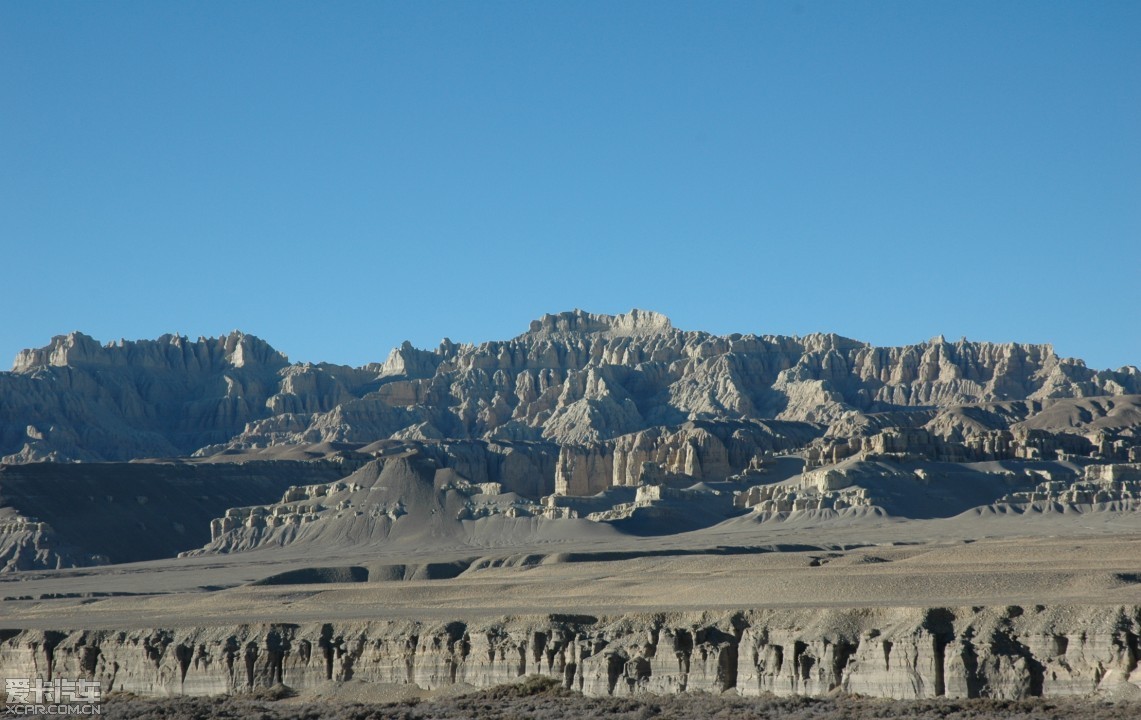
column 78, row 400
column 620, row 419
column 575, row 379
column 310, row 524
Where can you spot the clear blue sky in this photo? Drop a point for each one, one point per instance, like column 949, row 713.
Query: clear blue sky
column 337, row 177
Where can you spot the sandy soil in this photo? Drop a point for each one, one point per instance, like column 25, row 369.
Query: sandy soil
column 1090, row 558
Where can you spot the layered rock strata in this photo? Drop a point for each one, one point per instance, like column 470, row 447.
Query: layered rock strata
column 697, row 450
column 1101, row 485
column 999, row 652
column 910, row 443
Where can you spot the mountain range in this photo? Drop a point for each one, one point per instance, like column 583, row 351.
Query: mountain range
column 572, row 379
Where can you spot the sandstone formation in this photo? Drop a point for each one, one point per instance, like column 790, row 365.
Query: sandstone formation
column 1101, row 485
column 78, row 400
column 617, row 419
column 606, row 500
column 998, row 652
column 573, row 379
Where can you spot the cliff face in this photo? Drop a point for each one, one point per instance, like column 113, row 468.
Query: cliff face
column 906, row 653
column 572, row 379
column 78, row 400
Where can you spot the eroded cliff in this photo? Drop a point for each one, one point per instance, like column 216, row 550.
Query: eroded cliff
column 573, row 379
column 999, row 652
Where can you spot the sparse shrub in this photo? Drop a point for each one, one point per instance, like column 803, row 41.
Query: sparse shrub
column 531, row 686
column 543, row 698
column 272, row 694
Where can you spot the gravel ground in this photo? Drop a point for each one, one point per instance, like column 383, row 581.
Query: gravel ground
column 541, row 699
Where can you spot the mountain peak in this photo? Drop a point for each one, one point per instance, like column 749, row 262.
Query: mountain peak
column 634, row 323
column 176, row 351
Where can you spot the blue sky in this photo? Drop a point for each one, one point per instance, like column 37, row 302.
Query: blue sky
column 339, row 177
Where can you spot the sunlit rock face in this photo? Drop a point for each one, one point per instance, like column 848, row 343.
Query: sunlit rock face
column 584, row 416
column 573, row 378
column 905, row 653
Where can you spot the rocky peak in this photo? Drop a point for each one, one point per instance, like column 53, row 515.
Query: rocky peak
column 170, row 352
column 576, row 322
column 240, row 350
column 410, row 362
column 575, row 377
column 63, row 350
column 830, row 342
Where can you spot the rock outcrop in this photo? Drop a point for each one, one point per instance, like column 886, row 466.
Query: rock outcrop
column 78, row 400
column 1102, row 485
column 911, row 443
column 998, row 652
column 579, row 406
column 572, row 379
column 410, row 492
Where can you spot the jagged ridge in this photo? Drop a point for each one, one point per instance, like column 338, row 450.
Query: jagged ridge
column 573, row 378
